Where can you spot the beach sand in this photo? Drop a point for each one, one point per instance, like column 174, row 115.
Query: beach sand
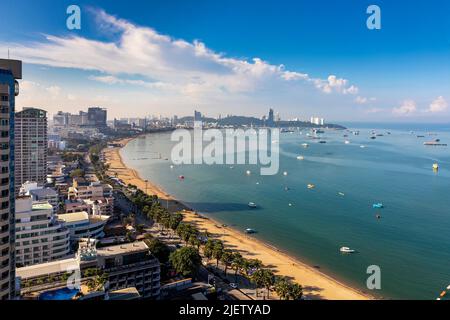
column 316, row 285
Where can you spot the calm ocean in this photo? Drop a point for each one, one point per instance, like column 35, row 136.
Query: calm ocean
column 411, row 241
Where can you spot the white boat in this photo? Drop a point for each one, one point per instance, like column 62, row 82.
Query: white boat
column 346, row 250
column 248, row 172
column 249, row 231
column 347, row 142
column 300, row 158
column 285, row 173
column 252, row 205
column 305, row 145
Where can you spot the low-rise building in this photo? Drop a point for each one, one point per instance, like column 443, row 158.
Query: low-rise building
column 83, row 225
column 93, row 190
column 39, row 193
column 125, row 266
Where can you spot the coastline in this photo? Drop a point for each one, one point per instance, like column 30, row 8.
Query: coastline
column 316, row 284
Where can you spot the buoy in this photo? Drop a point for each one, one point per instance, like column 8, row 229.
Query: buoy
column 290, row 204
column 171, row 167
column 249, row 172
column 285, row 173
column 181, row 177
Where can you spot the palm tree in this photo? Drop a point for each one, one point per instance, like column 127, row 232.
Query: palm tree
column 218, row 251
column 194, row 241
column 227, row 259
column 258, row 279
column 237, row 264
column 268, row 280
column 296, row 291
column 282, row 288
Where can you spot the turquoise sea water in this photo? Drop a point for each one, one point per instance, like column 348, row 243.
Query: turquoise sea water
column 410, row 243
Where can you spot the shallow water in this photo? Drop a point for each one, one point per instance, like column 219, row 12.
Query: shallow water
column 410, row 243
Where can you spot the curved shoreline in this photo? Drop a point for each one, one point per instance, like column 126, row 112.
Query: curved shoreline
column 317, row 285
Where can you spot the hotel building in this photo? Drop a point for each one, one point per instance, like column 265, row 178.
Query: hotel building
column 10, row 70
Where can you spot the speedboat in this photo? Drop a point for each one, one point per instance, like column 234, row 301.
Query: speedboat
column 300, row 158
column 249, row 231
column 311, row 186
column 346, row 250
column 378, row 206
column 252, row 205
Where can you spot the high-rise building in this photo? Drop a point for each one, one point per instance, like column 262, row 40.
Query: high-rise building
column 10, row 70
column 31, row 147
column 270, row 120
column 97, row 117
column 197, row 116
column 40, row 237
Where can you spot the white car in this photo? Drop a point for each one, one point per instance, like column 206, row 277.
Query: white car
column 233, row 285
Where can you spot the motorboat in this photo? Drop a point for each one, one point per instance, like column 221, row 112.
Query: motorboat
column 300, row 158
column 378, row 206
column 346, row 250
column 311, row 186
column 252, row 205
column 305, row 145
column 249, row 231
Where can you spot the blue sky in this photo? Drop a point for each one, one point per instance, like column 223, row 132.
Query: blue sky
column 164, row 57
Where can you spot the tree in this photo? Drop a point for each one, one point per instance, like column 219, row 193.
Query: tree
column 282, row 288
column 158, row 249
column 217, row 251
column 257, row 279
column 186, row 261
column 296, row 291
column 77, row 173
column 194, row 241
column 268, row 280
column 237, row 264
column 227, row 259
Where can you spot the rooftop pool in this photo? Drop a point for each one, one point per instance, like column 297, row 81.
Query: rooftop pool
column 59, row 294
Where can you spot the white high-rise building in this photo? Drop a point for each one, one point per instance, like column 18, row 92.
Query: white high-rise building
column 40, row 237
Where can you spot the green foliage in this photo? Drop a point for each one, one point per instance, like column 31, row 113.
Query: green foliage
column 186, row 261
column 158, row 249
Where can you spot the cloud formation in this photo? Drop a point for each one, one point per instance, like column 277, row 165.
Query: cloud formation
column 438, row 105
column 408, row 107
column 163, row 63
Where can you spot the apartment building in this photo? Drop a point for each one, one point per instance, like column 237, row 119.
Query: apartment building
column 39, row 236
column 31, row 147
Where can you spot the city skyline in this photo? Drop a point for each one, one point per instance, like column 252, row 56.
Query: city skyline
column 345, row 72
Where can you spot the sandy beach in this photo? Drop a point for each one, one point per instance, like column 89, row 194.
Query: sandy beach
column 316, row 284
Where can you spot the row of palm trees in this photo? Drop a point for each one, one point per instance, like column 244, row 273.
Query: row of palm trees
column 251, row 269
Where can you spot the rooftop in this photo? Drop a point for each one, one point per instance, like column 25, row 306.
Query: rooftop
column 42, row 206
column 122, row 248
column 74, row 217
column 42, row 269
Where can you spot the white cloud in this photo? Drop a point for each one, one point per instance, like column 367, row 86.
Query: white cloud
column 438, row 105
column 335, row 84
column 165, row 63
column 408, row 107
